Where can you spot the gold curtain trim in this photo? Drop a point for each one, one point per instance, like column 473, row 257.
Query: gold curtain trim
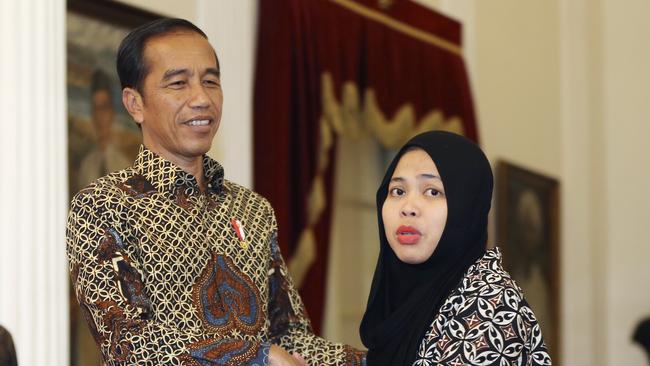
column 400, row 26
column 305, row 254
column 303, row 257
column 351, row 119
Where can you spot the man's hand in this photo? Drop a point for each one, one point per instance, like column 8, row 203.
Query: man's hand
column 278, row 356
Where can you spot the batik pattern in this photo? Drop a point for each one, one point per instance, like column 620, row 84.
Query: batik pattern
column 227, row 299
column 486, row 321
column 164, row 279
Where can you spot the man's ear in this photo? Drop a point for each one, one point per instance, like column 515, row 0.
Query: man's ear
column 133, row 103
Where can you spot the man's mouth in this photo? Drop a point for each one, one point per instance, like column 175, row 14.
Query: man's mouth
column 198, row 122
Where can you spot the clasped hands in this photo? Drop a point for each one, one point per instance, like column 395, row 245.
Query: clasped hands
column 278, row 356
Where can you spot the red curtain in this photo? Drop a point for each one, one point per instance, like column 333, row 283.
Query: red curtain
column 405, row 54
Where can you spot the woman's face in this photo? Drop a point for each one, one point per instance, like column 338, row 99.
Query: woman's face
column 415, row 209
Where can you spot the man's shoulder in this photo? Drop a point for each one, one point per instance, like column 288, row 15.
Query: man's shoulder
column 106, row 188
column 237, row 191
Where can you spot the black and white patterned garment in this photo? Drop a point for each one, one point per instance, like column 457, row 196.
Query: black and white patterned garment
column 486, row 321
column 168, row 275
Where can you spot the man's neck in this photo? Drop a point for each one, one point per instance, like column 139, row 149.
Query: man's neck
column 192, row 165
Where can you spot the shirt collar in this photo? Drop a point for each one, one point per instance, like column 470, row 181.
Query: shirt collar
column 165, row 176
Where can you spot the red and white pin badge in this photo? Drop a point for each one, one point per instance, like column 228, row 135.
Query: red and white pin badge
column 239, row 230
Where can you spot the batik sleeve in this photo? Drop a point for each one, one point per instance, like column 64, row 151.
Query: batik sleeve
column 510, row 332
column 487, row 323
column 110, row 290
column 289, row 325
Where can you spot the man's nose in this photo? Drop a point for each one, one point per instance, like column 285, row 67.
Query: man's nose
column 199, row 97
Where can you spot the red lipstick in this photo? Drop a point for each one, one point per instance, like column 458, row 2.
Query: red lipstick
column 408, row 235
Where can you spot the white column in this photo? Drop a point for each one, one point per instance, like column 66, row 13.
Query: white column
column 582, row 243
column 231, row 27
column 625, row 116
column 33, row 187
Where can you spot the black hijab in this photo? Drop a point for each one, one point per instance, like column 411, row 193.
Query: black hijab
column 405, row 298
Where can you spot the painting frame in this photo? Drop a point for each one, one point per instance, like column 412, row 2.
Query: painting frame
column 83, row 65
column 112, row 12
column 528, row 233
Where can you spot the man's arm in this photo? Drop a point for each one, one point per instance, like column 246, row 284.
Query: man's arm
column 109, row 287
column 289, row 325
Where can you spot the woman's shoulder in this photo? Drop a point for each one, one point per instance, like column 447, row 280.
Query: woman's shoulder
column 488, row 271
column 486, row 310
column 486, row 287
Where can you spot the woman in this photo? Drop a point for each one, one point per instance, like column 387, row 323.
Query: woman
column 438, row 296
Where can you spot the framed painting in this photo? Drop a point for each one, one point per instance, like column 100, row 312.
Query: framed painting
column 101, row 135
column 528, row 234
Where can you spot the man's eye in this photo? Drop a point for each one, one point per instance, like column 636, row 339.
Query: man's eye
column 177, row 84
column 212, row 83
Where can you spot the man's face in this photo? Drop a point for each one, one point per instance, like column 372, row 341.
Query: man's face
column 181, row 97
column 102, row 115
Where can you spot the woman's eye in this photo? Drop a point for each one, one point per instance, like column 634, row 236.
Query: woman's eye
column 396, row 191
column 432, row 192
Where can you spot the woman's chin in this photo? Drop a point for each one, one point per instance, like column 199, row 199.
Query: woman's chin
column 411, row 258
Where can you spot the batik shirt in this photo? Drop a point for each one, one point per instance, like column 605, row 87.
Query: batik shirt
column 167, row 274
column 486, row 321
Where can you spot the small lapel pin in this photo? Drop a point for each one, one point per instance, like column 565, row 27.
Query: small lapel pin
column 239, row 230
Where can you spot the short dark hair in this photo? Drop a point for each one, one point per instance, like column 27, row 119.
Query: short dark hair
column 100, row 81
column 131, row 66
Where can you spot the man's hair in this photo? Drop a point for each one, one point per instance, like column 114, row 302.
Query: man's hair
column 100, row 81
column 131, row 65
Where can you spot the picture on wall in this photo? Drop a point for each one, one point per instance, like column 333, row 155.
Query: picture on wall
column 528, row 234
column 102, row 137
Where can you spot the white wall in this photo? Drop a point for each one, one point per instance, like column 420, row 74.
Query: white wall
column 626, row 112
column 186, row 9
column 582, row 179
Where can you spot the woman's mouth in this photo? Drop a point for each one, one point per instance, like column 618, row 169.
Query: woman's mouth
column 408, row 235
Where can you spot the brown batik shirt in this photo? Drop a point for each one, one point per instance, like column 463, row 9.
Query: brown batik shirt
column 169, row 275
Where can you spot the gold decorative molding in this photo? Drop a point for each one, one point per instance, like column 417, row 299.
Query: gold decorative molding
column 385, row 4
column 399, row 26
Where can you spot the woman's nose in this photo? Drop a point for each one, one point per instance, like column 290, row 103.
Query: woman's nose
column 409, row 209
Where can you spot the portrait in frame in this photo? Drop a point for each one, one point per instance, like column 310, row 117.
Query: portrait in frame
column 527, row 215
column 102, row 137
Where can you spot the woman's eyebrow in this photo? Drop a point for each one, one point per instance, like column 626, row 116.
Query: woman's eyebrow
column 421, row 176
column 429, row 176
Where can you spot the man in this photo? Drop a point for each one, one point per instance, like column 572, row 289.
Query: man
column 105, row 156
column 172, row 264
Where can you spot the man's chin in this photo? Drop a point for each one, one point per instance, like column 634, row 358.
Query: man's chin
column 198, row 149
